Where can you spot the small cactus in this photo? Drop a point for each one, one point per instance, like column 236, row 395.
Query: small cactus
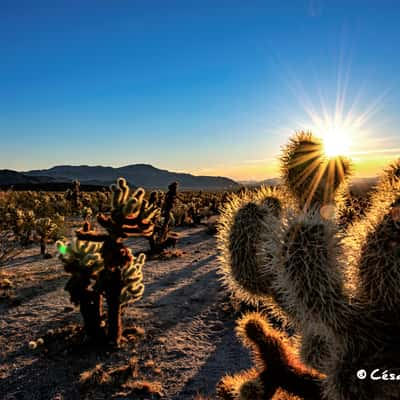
column 44, row 228
column 21, row 222
column 120, row 281
column 87, row 213
column 162, row 236
column 74, row 196
column 83, row 261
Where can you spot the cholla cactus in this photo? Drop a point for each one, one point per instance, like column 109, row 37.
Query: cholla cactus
column 373, row 247
column 301, row 256
column 240, row 228
column 310, row 176
column 277, row 368
column 340, row 290
column 21, row 223
column 9, row 248
column 84, row 262
column 87, row 213
column 130, row 216
column 132, row 278
column 162, row 236
column 74, row 196
column 44, row 228
column 392, row 172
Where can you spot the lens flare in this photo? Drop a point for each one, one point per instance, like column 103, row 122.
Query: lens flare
column 327, row 212
column 63, row 249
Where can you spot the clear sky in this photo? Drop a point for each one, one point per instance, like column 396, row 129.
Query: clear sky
column 208, row 87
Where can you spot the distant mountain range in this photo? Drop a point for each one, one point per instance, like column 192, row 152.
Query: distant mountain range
column 9, row 177
column 142, row 175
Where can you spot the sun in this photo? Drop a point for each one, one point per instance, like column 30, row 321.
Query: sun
column 337, row 141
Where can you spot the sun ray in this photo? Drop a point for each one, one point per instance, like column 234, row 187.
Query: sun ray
column 308, row 171
column 345, row 122
column 315, row 183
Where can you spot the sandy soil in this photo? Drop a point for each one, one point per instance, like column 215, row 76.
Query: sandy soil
column 180, row 334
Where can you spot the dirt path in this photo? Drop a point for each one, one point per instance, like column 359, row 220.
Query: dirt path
column 187, row 345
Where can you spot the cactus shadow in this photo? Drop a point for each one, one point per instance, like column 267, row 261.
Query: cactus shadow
column 56, row 323
column 22, row 260
column 229, row 357
column 41, row 377
column 183, row 304
column 35, row 382
column 56, row 373
column 172, row 277
column 28, row 293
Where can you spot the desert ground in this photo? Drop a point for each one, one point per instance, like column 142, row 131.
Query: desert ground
column 179, row 338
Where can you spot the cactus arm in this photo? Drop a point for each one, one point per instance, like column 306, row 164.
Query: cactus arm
column 308, row 277
column 105, row 221
column 277, row 367
column 144, row 230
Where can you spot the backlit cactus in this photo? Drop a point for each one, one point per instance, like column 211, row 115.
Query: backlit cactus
column 83, row 261
column 44, row 229
column 392, row 172
column 132, row 278
column 311, row 177
column 277, row 368
column 87, row 213
column 162, row 236
column 242, row 223
column 120, row 279
column 301, row 257
column 374, row 249
column 74, row 196
column 21, row 223
column 340, row 289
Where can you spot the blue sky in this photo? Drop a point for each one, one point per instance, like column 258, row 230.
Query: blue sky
column 208, row 87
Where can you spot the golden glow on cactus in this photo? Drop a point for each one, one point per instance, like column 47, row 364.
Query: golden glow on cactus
column 243, row 218
column 372, row 246
column 132, row 278
column 312, row 176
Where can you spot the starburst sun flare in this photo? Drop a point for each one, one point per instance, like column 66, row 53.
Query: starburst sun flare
column 337, row 141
